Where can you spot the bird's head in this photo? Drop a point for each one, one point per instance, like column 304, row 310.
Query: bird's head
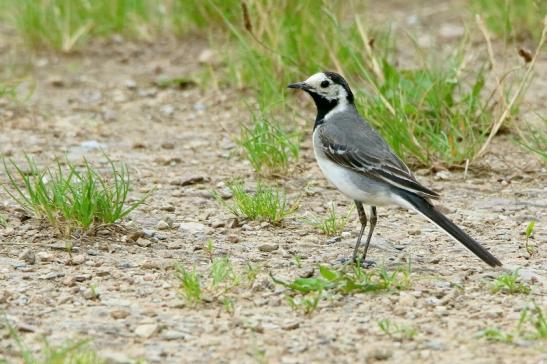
column 329, row 90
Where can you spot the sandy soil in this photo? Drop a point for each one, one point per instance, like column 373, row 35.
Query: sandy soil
column 105, row 99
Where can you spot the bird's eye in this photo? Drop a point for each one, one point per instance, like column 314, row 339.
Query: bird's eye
column 325, row 84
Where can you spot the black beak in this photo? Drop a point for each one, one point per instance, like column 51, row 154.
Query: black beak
column 299, row 85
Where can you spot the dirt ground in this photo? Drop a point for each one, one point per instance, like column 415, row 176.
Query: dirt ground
column 105, row 99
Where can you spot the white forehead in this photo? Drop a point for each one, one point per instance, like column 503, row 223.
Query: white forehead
column 316, row 79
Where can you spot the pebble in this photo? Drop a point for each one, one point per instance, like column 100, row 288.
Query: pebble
column 115, row 357
column 380, row 354
column 167, row 110
column 90, row 294
column 232, row 238
column 193, row 228
column 267, row 248
column 147, row 330
column 173, row 335
column 119, row 314
column 142, row 242
column 291, row 326
column 131, row 84
column 69, row 281
column 78, row 259
column 44, row 256
column 162, row 225
column 55, row 81
column 189, row 179
column 28, row 256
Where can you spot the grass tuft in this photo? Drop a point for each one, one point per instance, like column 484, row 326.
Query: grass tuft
column 219, row 284
column 269, row 148
column 70, row 352
column 333, row 224
column 306, row 292
column 513, row 19
column 267, row 203
column 70, row 197
column 397, row 331
column 509, row 283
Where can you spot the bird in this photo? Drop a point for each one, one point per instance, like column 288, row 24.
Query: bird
column 359, row 163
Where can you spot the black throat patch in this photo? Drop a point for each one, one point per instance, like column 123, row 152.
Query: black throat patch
column 323, row 107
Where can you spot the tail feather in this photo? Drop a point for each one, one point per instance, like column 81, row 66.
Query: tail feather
column 422, row 206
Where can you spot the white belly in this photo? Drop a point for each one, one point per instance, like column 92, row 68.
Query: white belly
column 354, row 185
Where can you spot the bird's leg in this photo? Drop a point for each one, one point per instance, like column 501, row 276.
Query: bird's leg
column 363, row 220
column 373, row 219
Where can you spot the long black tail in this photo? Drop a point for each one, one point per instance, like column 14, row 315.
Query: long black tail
column 429, row 211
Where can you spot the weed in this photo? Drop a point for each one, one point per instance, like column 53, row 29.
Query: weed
column 495, row 334
column 532, row 325
column 190, row 284
column 348, row 280
column 8, row 91
column 535, row 139
column 306, row 304
column 531, row 249
column 70, row 197
column 267, row 203
column 298, row 261
column 269, row 148
column 66, row 24
column 535, row 318
column 398, row 331
column 219, row 284
column 512, row 19
column 77, row 352
column 3, row 222
column 508, row 283
column 333, row 224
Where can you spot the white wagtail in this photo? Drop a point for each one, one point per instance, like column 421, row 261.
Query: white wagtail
column 359, row 162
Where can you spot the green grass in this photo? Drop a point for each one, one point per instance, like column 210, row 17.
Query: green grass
column 270, row 149
column 333, row 224
column 535, row 139
column 532, row 326
column 512, row 19
column 305, row 293
column 219, row 284
column 70, row 197
column 530, row 248
column 67, row 24
column 267, row 203
column 70, row 352
column 509, row 283
column 397, row 331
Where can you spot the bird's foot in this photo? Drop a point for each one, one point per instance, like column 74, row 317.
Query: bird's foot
column 363, row 263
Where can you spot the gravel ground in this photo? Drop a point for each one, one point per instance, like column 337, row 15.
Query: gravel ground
column 179, row 142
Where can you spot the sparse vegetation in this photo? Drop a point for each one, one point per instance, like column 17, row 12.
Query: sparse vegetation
column 397, row 331
column 513, row 19
column 306, row 292
column 509, row 283
column 267, row 203
column 70, row 197
column 531, row 249
column 219, row 284
column 74, row 352
column 333, row 224
column 532, row 325
column 269, row 148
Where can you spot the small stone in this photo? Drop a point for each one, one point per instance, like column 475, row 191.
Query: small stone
column 267, row 248
column 162, row 225
column 291, row 326
column 115, row 357
column 168, row 146
column 144, row 243
column 434, row 345
column 28, row 256
column 345, row 235
column 119, row 314
column 44, row 256
column 208, row 56
column 109, row 115
column 193, row 228
column 147, row 330
column 232, row 238
column 69, row 281
column 131, row 84
column 135, row 235
column 55, row 81
column 167, row 110
column 78, row 259
column 414, row 232
column 90, row 294
column 380, row 354
column 173, row 335
column 189, row 179
column 443, row 175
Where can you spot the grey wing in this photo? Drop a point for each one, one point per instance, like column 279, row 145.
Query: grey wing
column 364, row 151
